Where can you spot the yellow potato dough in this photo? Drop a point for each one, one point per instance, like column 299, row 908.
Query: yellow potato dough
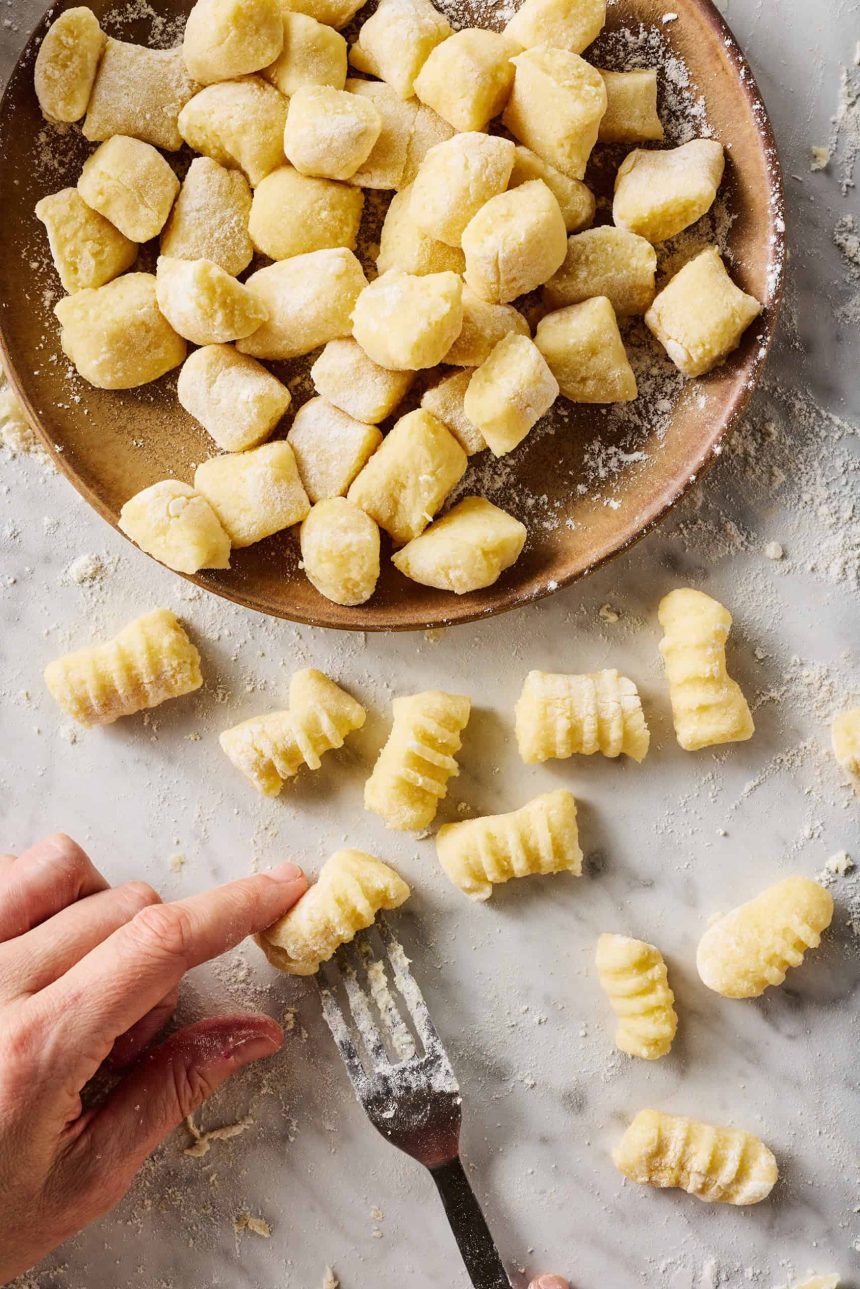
column 515, row 243
column 334, row 13
column 229, row 38
column 565, row 24
column 403, row 245
column 330, row 447
column 467, row 78
column 396, row 41
column 660, row 193
column 484, row 325
column 239, row 124
column 446, row 402
column 385, row 166
column 584, row 351
column 204, row 304
column 176, row 526
column 330, row 133
column 131, row 185
column 310, row 299
column 575, row 199
column 605, row 261
column 510, row 392
column 86, row 248
column 845, row 739
column 631, row 107
column 407, row 322
column 428, row 130
column 255, row 493
column 456, row 179
column 294, row 213
column 66, row 64
column 209, row 220
column 340, row 551
column 555, row 107
column 465, row 550
column 313, row 54
column 139, row 92
column 233, row 397
column 116, row 336
column 408, row 478
column 700, row 317
column 345, row 376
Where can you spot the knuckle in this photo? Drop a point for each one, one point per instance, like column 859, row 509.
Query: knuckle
column 191, row 1086
column 163, row 930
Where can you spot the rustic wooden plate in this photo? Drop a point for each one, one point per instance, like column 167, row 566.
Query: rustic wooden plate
column 588, row 482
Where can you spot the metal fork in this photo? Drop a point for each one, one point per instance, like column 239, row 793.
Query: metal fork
column 407, row 1087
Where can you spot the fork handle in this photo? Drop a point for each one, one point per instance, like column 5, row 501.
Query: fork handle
column 469, row 1225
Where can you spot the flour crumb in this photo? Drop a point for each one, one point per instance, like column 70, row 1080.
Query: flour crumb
column 820, row 158
column 86, row 570
column 256, row 1225
column 669, row 17
column 606, row 613
column 177, row 862
column 840, row 864
column 70, row 734
column 330, row 1280
column 774, row 550
column 16, row 434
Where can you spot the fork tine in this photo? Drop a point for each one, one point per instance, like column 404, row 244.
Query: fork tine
column 361, row 1008
column 340, row 1032
column 408, row 986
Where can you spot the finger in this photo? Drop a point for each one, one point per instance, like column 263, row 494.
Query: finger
column 130, row 1045
column 46, row 878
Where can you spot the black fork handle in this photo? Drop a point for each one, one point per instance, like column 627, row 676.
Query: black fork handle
column 470, row 1228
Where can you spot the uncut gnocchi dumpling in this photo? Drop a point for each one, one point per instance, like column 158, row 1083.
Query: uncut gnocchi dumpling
column 240, row 124
column 86, row 248
column 340, row 551
column 405, row 246
column 465, row 550
column 139, row 92
column 331, row 447
column 310, row 299
column 350, row 380
column 509, row 393
column 386, row 164
column 484, row 325
column 351, row 889
column 406, row 321
column 560, row 23
column 755, row 945
column 176, row 526
column 116, row 336
column 701, row 316
column 575, row 199
column 204, row 304
column 631, row 107
column 467, row 78
column 396, row 41
column 234, row 397
column 605, row 261
column 634, row 977
column 334, row 13
column 209, row 220
column 132, row 185
column 660, row 193
column 559, row 715
column 584, row 351
column 408, row 478
column 322, row 214
column 845, row 739
column 254, row 493
column 515, row 243
column 330, row 133
column 455, row 180
column 428, row 130
column 411, row 776
column 313, row 54
column 446, row 400
column 66, row 64
column 556, row 106
column 229, row 38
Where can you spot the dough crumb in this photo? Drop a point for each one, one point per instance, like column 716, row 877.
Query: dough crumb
column 820, row 158
column 839, row 864
column 330, row 1280
column 607, row 614
column 257, row 1225
column 177, row 863
column 86, row 570
column 201, row 1141
column 774, row 550
column 16, row 434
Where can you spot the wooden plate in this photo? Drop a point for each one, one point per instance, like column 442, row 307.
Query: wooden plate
column 588, row 482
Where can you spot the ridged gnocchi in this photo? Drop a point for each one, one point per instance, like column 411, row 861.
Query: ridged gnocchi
column 633, row 976
column 558, row 715
column 411, row 775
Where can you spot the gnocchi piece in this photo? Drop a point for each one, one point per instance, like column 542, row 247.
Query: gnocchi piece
column 407, row 321
column 605, row 261
column 484, row 325
column 294, row 214
column 116, row 335
column 86, row 248
column 456, row 179
column 559, row 716
column 229, row 38
column 239, row 124
column 708, row 707
column 720, row 1165
column 234, row 397
column 145, row 664
column 701, row 316
column 310, row 299
column 67, row 63
column 509, row 393
column 584, row 351
column 270, row 749
column 633, row 975
column 515, row 243
column 313, row 54
column 204, row 304
column 575, row 199
column 340, row 551
column 467, row 78
column 139, row 92
column 428, row 129
column 541, row 837
column 411, row 776
column 845, row 738
column 660, row 193
column 254, row 493
column 351, row 889
column 631, row 107
column 818, row 1282
column 330, row 133
column 331, row 447
column 209, row 220
column 559, row 23
column 405, row 246
column 465, row 550
column 755, row 945
column 386, row 164
column 333, row 13
column 350, row 380
column 445, row 401
column 396, row 41
column 408, row 478
column 175, row 525
column 131, row 185
column 556, row 106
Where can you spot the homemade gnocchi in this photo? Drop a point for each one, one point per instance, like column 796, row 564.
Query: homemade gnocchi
column 558, row 23
column 87, row 250
column 396, row 41
column 330, row 133
column 631, row 107
column 608, row 262
column 346, row 377
column 139, row 92
column 254, row 493
column 67, row 63
column 204, row 304
column 239, row 124
column 312, row 54
column 177, row 526
column 209, row 220
column 845, row 739
column 236, row 400
column 309, row 299
column 409, row 321
column 701, row 316
column 446, row 401
column 559, row 715
column 229, row 38
column 455, row 180
column 585, row 353
column 515, row 243
column 340, row 551
column 116, row 335
column 467, row 78
column 411, row 776
column 659, row 193
column 131, row 184
column 555, row 108
column 509, row 393
column 465, row 550
column 331, row 447
column 633, row 976
column 404, row 245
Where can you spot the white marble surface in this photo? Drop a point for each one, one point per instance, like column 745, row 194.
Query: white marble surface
column 511, row 984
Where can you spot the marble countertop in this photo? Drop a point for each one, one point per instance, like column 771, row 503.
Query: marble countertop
column 511, row 985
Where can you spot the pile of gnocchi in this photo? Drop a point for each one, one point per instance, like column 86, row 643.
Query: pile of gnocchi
column 483, row 139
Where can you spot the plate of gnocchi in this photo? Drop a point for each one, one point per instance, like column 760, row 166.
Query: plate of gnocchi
column 386, row 316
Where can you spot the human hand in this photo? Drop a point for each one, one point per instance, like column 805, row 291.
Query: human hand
column 88, row 976
column 549, row 1282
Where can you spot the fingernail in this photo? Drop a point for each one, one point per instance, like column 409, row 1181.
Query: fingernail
column 286, row 873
